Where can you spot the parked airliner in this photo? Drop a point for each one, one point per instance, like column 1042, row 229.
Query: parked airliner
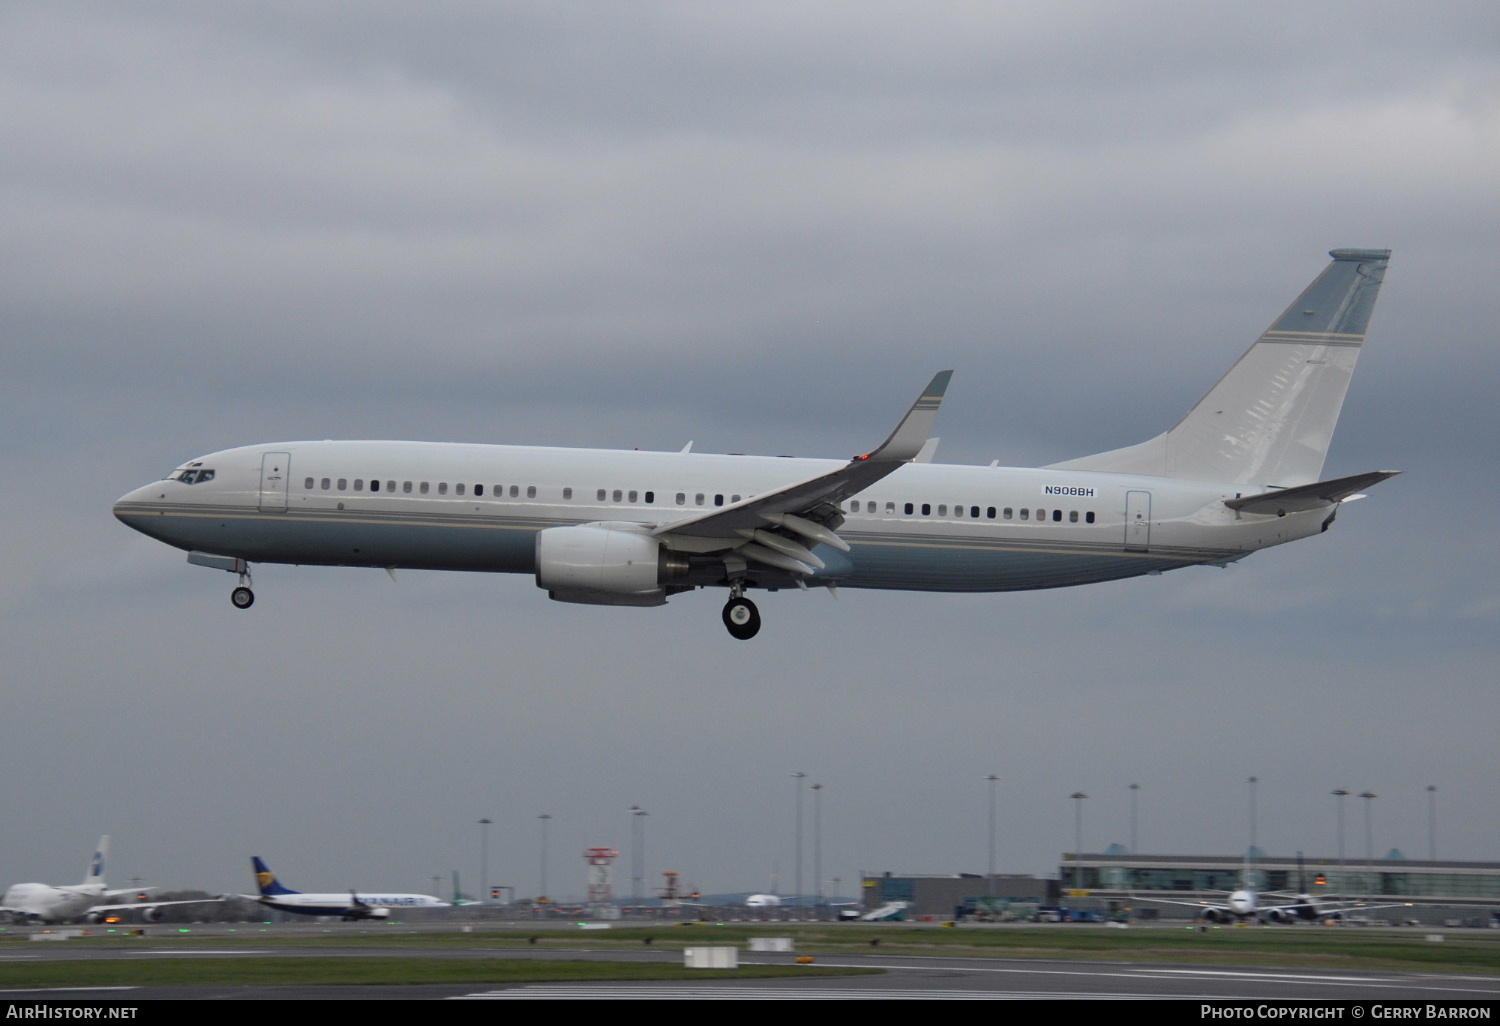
column 1244, row 904
column 1240, row 472
column 44, row 903
column 350, row 907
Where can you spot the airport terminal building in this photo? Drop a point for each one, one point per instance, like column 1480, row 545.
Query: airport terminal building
column 1440, row 890
column 1474, row 886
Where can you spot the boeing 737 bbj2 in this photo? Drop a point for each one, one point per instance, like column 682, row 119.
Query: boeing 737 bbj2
column 1240, row 472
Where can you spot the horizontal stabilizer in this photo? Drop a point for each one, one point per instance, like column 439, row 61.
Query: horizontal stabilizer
column 1306, row 497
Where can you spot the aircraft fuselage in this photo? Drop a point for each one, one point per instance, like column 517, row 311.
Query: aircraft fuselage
column 925, row 527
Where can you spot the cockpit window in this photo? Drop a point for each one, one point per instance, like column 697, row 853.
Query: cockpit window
column 191, row 476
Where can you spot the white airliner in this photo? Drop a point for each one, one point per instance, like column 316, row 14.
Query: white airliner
column 1240, row 472
column 763, row 901
column 1245, row 904
column 350, row 907
column 43, row 903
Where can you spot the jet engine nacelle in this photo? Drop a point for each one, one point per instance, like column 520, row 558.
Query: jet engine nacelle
column 1216, row 915
column 152, row 914
column 605, row 564
column 1279, row 915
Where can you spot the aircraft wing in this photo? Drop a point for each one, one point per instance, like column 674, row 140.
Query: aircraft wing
column 1306, row 497
column 735, row 525
column 143, row 906
column 1187, row 904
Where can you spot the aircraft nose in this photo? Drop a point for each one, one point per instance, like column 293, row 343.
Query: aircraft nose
column 124, row 505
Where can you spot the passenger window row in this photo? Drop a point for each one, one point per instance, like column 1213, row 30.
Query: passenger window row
column 974, row 512
column 616, row 495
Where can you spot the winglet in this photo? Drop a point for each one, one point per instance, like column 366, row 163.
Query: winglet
column 906, row 442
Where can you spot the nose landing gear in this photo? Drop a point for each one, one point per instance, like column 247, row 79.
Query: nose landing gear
column 742, row 618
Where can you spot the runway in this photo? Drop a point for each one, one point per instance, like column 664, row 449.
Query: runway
column 903, row 976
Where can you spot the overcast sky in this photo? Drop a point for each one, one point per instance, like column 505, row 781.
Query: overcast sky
column 762, row 227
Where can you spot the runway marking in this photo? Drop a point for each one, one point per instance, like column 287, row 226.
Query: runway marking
column 1270, row 976
column 68, row 990
column 648, row 992
column 1145, row 973
column 157, row 952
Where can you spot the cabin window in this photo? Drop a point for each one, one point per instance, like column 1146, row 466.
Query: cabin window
column 1057, row 516
column 1006, row 513
column 390, row 486
column 515, row 491
column 1025, row 514
column 908, row 508
column 698, row 499
column 306, row 484
column 718, row 500
column 325, row 484
column 567, row 493
column 422, row 487
column 617, row 495
column 650, row 498
column 890, row 507
column 681, row 498
column 854, row 506
column 633, row 495
column 343, row 484
column 406, row 487
column 927, row 509
column 990, row 513
column 601, row 494
column 458, row 489
column 531, row 491
column 943, row 510
column 359, row 484
column 442, row 487
column 974, row 512
column 734, row 498
column 1072, row 516
column 479, row 490
column 1089, row 517
column 374, row 485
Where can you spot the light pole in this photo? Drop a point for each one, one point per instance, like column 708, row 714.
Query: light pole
column 1135, row 789
column 797, row 779
column 993, row 780
column 638, row 842
column 1339, row 797
column 1078, row 797
column 1252, row 782
column 542, row 892
column 1432, row 822
column 1369, row 845
column 817, row 790
column 484, row 860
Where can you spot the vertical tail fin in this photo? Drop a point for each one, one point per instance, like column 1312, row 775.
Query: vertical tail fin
column 95, row 874
column 266, row 880
column 1269, row 421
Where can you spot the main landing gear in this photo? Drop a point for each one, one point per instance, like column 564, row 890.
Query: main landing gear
column 242, row 597
column 742, row 618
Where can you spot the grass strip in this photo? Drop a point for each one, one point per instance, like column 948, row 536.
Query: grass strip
column 312, row 971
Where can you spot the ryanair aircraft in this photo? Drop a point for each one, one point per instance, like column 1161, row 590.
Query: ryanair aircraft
column 354, row 906
column 1240, row 472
